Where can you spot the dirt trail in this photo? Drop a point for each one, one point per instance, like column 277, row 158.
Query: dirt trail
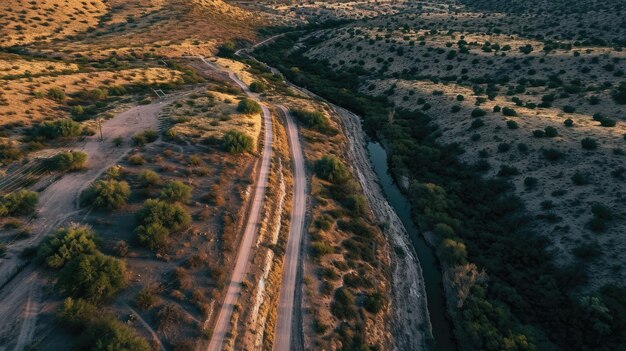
column 411, row 323
column 293, row 254
column 59, row 202
column 222, row 324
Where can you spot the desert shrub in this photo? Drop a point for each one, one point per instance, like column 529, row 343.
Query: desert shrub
column 504, row 147
column 589, row 143
column 455, row 109
column 237, row 142
column 580, row 178
column 136, row 160
column 539, row 133
column 258, row 87
column 67, row 244
column 56, row 93
column 507, row 111
column 512, row 124
column 145, row 298
column 249, row 106
column 552, row 154
column 226, row 50
column 67, row 161
column 148, row 177
column 96, row 278
column 107, row 194
column 569, row 109
column 507, row 171
column 60, row 128
column 98, row 331
column 477, row 123
column 374, row 302
column 319, row 249
column 109, row 334
column 452, row 251
column 158, row 219
column 619, row 95
column 9, row 152
column 551, row 132
column 607, row 122
column 568, row 122
column 343, row 306
column 332, row 169
column 145, row 137
column 314, row 120
column 176, row 191
column 19, row 203
column 601, row 215
column 587, row 251
column 478, row 112
column 497, row 109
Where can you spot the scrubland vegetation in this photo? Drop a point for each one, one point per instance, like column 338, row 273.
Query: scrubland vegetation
column 505, row 287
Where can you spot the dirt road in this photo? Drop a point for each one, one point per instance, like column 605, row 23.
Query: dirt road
column 58, row 203
column 222, row 324
column 284, row 327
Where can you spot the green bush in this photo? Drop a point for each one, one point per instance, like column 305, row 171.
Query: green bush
column 453, row 252
column 552, row 154
column 19, row 203
column 580, row 178
column 108, row 194
column 67, row 244
column 314, row 120
column 96, row 278
column 512, row 124
column 176, row 191
column 56, row 93
column 237, row 142
column 343, row 306
column 568, row 122
column 531, row 182
column 477, row 123
column 9, row 152
column 589, row 144
column 158, row 219
column 374, row 303
column 226, row 50
column 67, row 161
column 319, row 249
column 249, row 106
column 148, row 177
column 145, row 137
column 98, row 331
column 332, row 169
column 551, row 132
column 507, row 111
column 258, row 87
column 60, row 128
column 478, row 112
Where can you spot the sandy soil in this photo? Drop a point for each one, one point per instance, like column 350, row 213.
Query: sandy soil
column 58, row 203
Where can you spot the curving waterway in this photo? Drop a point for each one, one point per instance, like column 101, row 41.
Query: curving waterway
column 441, row 326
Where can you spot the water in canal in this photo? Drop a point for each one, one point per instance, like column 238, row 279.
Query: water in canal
column 442, row 330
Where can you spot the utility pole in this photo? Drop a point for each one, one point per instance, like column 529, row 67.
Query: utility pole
column 99, row 120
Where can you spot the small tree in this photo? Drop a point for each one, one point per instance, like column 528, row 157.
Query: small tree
column 158, row 219
column 226, row 50
column 20, row 203
column 258, row 87
column 95, row 278
column 69, row 161
column 237, row 142
column 148, row 178
column 108, row 194
column 330, row 168
column 249, row 106
column 551, row 132
column 67, row 244
column 589, row 144
column 56, row 93
column 176, row 191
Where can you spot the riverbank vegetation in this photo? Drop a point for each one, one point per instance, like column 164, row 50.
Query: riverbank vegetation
column 507, row 291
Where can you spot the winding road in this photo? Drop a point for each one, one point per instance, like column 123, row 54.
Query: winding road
column 292, row 259
column 222, row 324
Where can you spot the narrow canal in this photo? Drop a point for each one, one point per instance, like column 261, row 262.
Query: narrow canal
column 442, row 330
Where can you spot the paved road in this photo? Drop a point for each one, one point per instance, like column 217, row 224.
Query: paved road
column 286, row 310
column 222, row 325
